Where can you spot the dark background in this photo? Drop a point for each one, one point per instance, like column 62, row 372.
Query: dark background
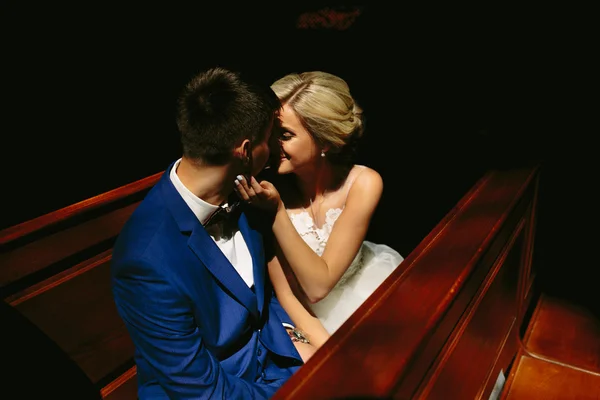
column 89, row 103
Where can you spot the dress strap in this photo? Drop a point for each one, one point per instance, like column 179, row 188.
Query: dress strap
column 356, row 171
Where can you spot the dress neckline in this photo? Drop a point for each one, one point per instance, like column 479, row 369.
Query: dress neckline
column 328, row 215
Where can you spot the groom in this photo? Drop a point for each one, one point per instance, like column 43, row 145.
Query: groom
column 191, row 286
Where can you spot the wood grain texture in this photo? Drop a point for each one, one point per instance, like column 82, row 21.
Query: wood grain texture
column 564, row 331
column 559, row 355
column 536, row 379
column 35, row 256
column 484, row 342
column 80, row 316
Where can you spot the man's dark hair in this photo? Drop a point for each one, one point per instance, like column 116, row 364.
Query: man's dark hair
column 217, row 110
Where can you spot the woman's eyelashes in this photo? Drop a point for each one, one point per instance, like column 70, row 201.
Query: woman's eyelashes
column 286, row 136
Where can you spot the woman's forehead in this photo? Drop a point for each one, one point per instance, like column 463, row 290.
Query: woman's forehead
column 289, row 118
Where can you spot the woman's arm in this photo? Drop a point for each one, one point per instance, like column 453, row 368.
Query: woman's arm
column 318, row 275
column 290, row 302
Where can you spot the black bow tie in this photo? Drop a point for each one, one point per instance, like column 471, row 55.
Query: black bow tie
column 223, row 213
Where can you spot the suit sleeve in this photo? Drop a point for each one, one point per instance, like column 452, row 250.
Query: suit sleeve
column 160, row 323
column 275, row 304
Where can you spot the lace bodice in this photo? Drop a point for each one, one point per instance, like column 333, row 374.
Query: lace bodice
column 370, row 267
column 317, row 237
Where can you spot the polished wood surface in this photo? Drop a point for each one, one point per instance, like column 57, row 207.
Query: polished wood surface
column 35, row 256
column 565, row 331
column 28, row 227
column 80, row 316
column 540, row 380
column 123, row 388
column 34, row 367
column 559, row 354
column 55, row 273
column 486, row 338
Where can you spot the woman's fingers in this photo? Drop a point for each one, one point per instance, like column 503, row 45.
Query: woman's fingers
column 248, row 191
column 263, row 194
column 256, row 186
column 240, row 189
column 247, row 186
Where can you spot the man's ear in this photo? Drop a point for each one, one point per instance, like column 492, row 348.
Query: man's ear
column 242, row 151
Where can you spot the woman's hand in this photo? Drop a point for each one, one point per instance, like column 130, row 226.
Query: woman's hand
column 262, row 195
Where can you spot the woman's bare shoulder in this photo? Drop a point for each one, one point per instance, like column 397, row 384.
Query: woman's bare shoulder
column 365, row 178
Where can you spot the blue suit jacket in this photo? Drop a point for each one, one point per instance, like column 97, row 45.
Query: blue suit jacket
column 199, row 331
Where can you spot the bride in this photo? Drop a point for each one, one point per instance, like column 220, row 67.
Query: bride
column 324, row 269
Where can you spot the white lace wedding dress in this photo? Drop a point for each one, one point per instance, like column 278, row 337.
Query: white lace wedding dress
column 371, row 266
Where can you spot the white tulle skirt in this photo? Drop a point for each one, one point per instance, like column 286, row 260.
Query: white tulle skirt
column 376, row 264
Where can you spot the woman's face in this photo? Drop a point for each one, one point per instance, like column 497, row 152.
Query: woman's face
column 260, row 151
column 298, row 148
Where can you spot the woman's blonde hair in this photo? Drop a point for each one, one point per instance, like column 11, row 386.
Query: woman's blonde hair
column 324, row 105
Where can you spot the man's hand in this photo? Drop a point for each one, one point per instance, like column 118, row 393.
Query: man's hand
column 262, row 195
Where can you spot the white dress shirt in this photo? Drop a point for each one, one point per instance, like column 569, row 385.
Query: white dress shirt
column 233, row 247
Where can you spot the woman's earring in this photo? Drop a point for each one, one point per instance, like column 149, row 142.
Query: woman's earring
column 322, row 153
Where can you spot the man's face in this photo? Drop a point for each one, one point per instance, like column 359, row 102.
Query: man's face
column 260, row 151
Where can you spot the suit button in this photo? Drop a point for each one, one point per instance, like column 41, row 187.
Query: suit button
column 259, row 351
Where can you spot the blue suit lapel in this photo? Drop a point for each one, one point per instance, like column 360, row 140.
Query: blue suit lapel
column 209, row 253
column 211, row 256
column 255, row 245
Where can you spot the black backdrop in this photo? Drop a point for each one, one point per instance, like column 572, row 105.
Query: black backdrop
column 89, row 95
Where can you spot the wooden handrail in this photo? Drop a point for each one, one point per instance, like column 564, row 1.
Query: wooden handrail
column 23, row 229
